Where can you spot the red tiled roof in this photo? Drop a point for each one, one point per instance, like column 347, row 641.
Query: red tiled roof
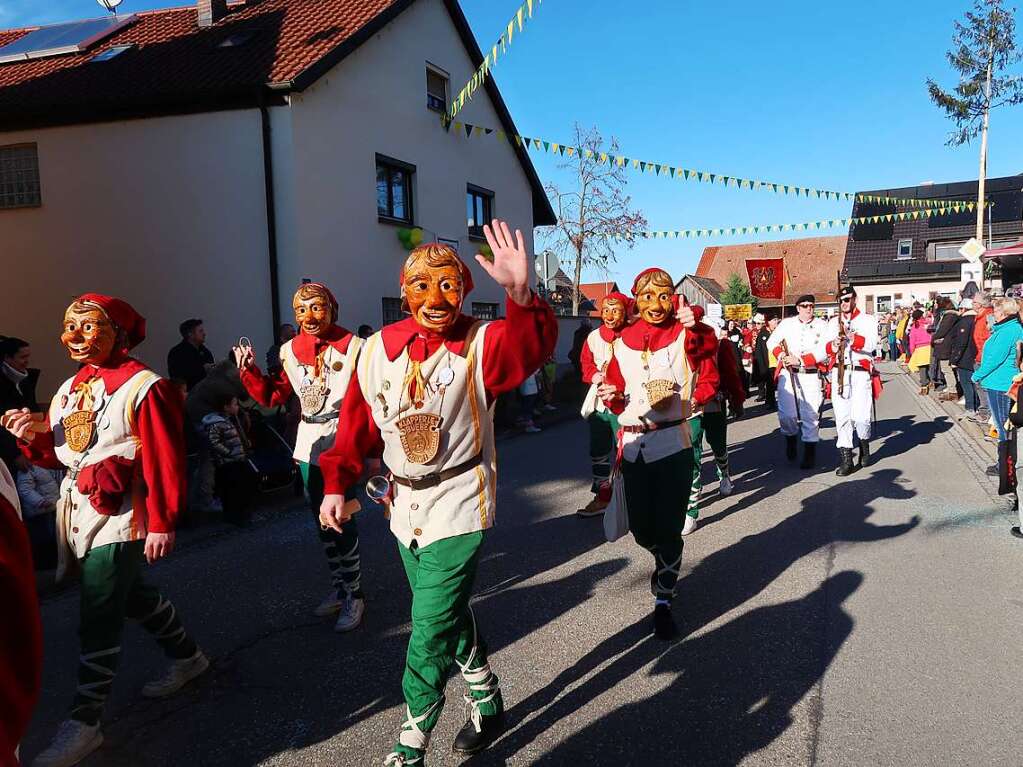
column 175, row 61
column 812, row 264
column 595, row 292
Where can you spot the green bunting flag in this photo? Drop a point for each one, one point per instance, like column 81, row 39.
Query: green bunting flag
column 517, row 24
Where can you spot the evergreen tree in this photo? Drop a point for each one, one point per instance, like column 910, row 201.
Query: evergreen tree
column 737, row 292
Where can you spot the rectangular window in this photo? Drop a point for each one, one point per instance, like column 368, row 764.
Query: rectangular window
column 947, row 251
column 392, row 311
column 19, row 176
column 479, row 207
column 436, row 89
column 484, row 311
column 905, row 249
column 394, row 189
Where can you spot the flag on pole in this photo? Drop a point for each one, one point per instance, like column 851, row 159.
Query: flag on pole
column 767, row 277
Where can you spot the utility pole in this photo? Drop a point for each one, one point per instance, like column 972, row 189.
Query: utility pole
column 983, row 142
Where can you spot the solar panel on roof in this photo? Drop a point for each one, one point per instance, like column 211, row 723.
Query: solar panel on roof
column 73, row 37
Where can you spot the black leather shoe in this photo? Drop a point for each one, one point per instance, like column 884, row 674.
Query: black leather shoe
column 864, row 453
column 809, row 455
column 1016, row 532
column 469, row 741
column 664, row 623
column 790, row 447
column 846, row 467
column 992, row 471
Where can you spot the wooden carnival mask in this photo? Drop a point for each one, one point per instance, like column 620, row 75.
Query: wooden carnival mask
column 315, row 309
column 612, row 313
column 654, row 293
column 89, row 335
column 433, row 286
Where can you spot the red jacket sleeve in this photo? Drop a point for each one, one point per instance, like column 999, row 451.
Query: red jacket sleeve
column 613, row 377
column 161, row 432
column 516, row 347
column 701, row 346
column 21, row 646
column 587, row 363
column 357, row 439
column 39, row 450
column 268, row 391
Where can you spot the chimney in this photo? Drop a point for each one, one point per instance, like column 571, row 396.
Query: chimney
column 211, row 11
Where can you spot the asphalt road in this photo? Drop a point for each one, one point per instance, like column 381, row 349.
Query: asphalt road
column 868, row 621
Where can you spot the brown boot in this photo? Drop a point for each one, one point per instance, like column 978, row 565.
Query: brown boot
column 594, row 508
column 924, row 390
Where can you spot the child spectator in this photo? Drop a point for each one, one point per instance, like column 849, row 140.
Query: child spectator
column 235, row 478
column 920, row 349
column 39, row 492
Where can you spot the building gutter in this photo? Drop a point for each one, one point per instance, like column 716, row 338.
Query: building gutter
column 271, row 217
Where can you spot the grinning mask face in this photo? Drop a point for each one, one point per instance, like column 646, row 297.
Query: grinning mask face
column 315, row 311
column 612, row 314
column 89, row 335
column 654, row 293
column 433, row 287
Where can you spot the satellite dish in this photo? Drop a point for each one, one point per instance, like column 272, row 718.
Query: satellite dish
column 110, row 5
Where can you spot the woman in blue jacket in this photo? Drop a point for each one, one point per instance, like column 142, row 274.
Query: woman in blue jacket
column 998, row 362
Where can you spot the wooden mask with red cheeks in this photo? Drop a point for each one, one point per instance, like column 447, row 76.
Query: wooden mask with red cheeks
column 654, row 292
column 433, row 287
column 89, row 335
column 315, row 309
column 612, row 313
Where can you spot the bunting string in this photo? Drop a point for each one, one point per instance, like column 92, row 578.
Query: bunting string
column 912, row 215
column 499, row 48
column 688, row 174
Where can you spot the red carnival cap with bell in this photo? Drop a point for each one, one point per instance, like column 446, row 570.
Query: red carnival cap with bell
column 643, row 274
column 122, row 314
column 622, row 298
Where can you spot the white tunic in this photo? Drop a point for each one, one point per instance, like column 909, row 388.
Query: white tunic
column 602, row 352
column 667, row 364
column 803, row 340
column 316, row 438
column 465, row 503
column 862, row 325
column 80, row 527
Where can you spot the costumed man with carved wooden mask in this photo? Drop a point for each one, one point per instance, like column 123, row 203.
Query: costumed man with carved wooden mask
column 424, row 394
column 851, row 338
column 317, row 366
column 117, row 428
column 649, row 385
column 796, row 344
column 596, row 354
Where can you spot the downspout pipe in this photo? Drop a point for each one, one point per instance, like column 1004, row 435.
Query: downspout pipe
column 271, row 218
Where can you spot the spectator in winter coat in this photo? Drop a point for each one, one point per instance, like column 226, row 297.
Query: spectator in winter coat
column 236, row 481
column 998, row 362
column 17, row 390
column 945, row 319
column 39, row 491
column 963, row 354
column 920, row 349
column 981, row 333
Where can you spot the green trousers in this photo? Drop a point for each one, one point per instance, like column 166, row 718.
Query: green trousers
column 603, row 427
column 341, row 549
column 653, row 492
column 715, row 426
column 444, row 632
column 113, row 589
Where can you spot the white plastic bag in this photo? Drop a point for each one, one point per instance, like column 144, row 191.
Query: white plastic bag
column 616, row 515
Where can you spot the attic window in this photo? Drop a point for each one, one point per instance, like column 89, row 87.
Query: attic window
column 236, row 39
column 436, row 89
column 112, row 53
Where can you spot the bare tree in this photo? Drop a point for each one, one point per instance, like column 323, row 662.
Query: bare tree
column 984, row 47
column 596, row 216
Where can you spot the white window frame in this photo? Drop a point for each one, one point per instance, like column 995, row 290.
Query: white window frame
column 898, row 252
column 430, row 97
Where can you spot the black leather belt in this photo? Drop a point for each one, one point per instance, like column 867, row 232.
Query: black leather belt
column 325, row 418
column 432, row 480
column 653, row 426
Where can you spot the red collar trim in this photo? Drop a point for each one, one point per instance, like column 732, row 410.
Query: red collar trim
column 607, row 335
column 855, row 314
column 305, row 347
column 113, row 376
column 642, row 336
column 399, row 335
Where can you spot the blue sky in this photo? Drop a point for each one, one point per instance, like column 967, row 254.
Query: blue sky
column 826, row 95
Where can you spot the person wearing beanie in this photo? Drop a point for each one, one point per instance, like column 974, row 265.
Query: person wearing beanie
column 615, row 310
column 662, row 371
column 118, row 428
column 423, row 395
column 317, row 366
column 850, row 340
column 796, row 344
